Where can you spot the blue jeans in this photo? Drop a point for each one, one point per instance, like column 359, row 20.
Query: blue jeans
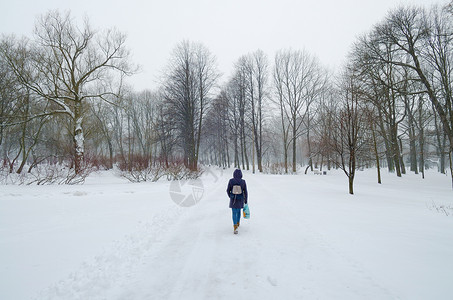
column 236, row 215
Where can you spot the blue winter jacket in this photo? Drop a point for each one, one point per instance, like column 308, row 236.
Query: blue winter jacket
column 237, row 201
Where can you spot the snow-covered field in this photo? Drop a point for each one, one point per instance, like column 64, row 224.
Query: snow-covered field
column 307, row 239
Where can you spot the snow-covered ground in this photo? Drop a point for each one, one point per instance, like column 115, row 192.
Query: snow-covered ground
column 307, row 239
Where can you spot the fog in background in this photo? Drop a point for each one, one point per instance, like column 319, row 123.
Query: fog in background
column 326, row 28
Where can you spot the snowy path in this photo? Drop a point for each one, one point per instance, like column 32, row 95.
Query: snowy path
column 272, row 257
column 303, row 241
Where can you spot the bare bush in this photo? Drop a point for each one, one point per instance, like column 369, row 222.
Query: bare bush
column 179, row 172
column 44, row 174
column 275, row 168
column 139, row 169
column 150, row 173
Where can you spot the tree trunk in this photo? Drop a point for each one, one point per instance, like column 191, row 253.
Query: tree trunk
column 286, row 158
column 451, row 166
column 442, row 155
column 395, row 150
column 78, row 138
column 352, row 166
column 242, row 150
column 236, row 152
column 413, row 148
column 245, row 153
column 227, row 155
column 22, row 144
column 441, row 142
column 400, row 151
column 294, row 144
column 253, row 159
column 421, row 138
column 310, row 160
column 387, row 144
column 109, row 143
column 376, row 154
column 351, row 184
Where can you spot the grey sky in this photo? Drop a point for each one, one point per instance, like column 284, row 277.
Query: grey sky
column 229, row 28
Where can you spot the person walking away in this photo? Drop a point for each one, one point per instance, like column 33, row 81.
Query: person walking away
column 237, row 192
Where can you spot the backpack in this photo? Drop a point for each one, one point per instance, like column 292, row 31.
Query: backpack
column 237, row 190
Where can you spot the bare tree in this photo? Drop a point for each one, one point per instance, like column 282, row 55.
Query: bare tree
column 217, row 131
column 70, row 64
column 347, row 140
column 254, row 69
column 325, row 127
column 298, row 80
column 188, row 82
column 235, row 95
column 424, row 44
column 104, row 115
column 165, row 130
column 18, row 108
column 387, row 88
column 9, row 93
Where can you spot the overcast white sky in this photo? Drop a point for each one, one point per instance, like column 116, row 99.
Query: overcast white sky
column 229, row 28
